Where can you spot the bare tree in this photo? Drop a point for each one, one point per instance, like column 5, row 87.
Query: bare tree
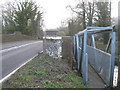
column 85, row 12
column 80, row 10
column 74, row 26
column 8, row 18
column 90, row 11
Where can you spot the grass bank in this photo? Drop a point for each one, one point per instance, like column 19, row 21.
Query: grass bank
column 44, row 72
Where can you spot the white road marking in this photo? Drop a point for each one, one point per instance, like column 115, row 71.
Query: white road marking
column 12, row 48
column 6, row 77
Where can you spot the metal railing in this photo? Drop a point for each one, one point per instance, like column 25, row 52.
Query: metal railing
column 101, row 61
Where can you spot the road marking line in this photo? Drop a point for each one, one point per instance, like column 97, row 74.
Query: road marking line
column 6, row 77
column 12, row 48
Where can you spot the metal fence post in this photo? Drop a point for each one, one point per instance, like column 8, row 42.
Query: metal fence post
column 93, row 41
column 85, row 61
column 78, row 56
column 112, row 58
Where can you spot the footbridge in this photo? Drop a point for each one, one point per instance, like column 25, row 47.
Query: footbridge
column 95, row 65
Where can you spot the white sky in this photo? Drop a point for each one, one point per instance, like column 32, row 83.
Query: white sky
column 55, row 11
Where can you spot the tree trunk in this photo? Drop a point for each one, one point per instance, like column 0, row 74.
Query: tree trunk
column 84, row 23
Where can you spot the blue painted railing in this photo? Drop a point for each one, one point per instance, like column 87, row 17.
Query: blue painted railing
column 101, row 61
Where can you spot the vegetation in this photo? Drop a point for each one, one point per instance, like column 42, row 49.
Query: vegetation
column 24, row 16
column 45, row 72
column 92, row 13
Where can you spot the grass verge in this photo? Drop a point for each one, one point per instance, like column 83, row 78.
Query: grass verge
column 44, row 72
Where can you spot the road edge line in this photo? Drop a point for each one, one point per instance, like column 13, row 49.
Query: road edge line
column 6, row 77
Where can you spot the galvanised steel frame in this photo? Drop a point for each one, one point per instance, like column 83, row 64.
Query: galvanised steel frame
column 80, row 50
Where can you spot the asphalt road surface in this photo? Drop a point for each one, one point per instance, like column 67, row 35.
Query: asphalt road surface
column 17, row 53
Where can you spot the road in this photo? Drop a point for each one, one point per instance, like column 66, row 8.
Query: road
column 17, row 53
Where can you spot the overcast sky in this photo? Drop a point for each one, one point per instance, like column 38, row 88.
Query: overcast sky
column 55, row 11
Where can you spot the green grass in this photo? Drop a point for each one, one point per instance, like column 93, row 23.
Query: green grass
column 26, row 78
column 40, row 73
column 45, row 72
column 48, row 84
column 58, row 71
column 77, row 81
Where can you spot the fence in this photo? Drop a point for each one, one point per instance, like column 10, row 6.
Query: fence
column 101, row 61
